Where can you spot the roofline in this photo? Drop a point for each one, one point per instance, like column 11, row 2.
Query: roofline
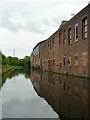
column 67, row 22
column 61, row 27
column 39, row 44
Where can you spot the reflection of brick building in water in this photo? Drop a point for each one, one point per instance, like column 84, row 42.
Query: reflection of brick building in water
column 68, row 49
column 68, row 96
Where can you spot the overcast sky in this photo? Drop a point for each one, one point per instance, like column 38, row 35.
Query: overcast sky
column 24, row 23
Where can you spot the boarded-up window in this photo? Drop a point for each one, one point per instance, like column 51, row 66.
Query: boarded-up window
column 70, row 61
column 70, row 36
column 84, row 58
column 76, row 59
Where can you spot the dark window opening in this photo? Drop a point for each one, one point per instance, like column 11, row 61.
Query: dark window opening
column 48, row 43
column 64, row 61
column 60, row 65
column 53, row 40
column 60, row 81
column 53, row 61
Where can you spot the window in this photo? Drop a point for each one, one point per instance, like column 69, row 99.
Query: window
column 76, row 32
column 60, row 38
column 60, row 64
column 53, row 61
column 64, row 60
column 70, row 36
column 70, row 61
column 53, row 46
column 64, row 41
column 53, row 40
column 84, row 28
column 85, row 59
column 48, row 43
column 53, row 49
column 76, row 60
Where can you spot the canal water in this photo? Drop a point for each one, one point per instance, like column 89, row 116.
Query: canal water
column 43, row 95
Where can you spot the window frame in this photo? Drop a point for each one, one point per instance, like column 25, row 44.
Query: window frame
column 70, row 34
column 60, row 64
column 53, row 62
column 64, row 60
column 76, row 60
column 83, row 27
column 76, row 32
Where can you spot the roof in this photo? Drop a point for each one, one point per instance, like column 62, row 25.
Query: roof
column 39, row 44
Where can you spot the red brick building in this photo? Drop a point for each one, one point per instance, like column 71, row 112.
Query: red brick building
column 35, row 56
column 68, row 49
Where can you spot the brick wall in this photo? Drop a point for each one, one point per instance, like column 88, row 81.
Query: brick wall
column 56, row 50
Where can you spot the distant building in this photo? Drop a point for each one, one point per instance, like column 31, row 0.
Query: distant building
column 68, row 49
column 35, row 55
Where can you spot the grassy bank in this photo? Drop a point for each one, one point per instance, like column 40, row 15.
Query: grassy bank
column 7, row 68
column 0, row 69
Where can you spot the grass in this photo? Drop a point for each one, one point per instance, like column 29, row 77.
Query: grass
column 0, row 69
column 6, row 68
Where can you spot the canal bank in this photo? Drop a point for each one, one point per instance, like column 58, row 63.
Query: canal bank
column 7, row 68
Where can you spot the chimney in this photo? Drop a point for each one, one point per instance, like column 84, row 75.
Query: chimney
column 63, row 23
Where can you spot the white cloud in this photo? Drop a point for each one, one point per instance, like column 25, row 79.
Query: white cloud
column 45, row 1
column 26, row 22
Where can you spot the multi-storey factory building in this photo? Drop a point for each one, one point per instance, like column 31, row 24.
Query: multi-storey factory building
column 68, row 49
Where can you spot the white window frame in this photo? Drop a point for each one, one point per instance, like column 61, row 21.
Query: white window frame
column 76, row 39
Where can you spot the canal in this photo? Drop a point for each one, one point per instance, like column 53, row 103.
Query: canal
column 43, row 95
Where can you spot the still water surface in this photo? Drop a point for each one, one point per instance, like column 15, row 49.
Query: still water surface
column 43, row 95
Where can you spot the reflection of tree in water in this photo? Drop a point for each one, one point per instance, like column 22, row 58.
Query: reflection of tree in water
column 16, row 72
